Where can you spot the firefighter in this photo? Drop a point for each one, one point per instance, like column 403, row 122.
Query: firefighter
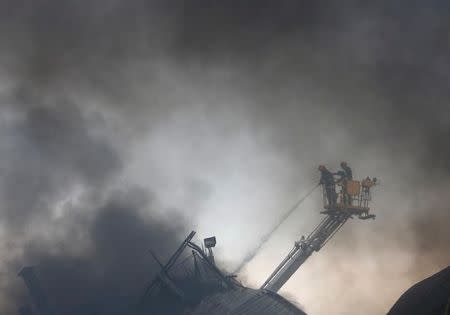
column 346, row 175
column 347, row 171
column 327, row 180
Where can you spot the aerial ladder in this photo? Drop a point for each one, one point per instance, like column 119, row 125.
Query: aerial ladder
column 353, row 200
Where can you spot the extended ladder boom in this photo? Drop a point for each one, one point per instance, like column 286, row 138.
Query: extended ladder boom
column 304, row 248
column 352, row 199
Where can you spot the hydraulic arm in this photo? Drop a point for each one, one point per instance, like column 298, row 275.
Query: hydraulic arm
column 304, row 248
column 353, row 200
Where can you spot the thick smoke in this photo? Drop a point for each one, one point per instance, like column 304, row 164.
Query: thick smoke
column 48, row 152
column 116, row 113
column 60, row 211
column 113, row 272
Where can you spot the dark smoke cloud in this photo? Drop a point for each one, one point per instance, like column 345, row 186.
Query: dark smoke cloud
column 112, row 274
column 284, row 85
column 92, row 256
column 50, row 151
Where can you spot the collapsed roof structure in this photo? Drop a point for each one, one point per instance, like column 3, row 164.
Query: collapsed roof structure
column 198, row 287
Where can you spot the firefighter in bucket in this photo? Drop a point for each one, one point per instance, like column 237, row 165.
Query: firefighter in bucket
column 327, row 180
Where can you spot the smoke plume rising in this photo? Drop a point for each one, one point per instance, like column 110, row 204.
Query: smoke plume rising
column 125, row 124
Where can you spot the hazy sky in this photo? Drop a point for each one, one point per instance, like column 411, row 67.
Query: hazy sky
column 126, row 124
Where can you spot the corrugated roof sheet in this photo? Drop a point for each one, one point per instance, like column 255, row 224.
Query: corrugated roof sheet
column 245, row 301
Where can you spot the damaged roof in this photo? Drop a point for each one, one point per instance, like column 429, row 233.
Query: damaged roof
column 246, row 301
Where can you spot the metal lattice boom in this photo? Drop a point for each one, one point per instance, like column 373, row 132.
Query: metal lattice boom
column 336, row 216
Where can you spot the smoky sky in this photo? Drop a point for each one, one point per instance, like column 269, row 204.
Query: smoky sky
column 126, row 123
column 80, row 247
